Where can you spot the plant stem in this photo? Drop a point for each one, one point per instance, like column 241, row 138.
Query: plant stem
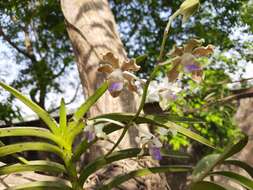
column 166, row 34
column 71, row 171
column 143, row 99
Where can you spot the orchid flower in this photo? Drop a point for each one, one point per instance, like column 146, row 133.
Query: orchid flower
column 92, row 131
column 148, row 140
column 163, row 92
column 119, row 74
column 185, row 59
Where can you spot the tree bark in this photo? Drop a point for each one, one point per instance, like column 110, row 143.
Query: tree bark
column 92, row 31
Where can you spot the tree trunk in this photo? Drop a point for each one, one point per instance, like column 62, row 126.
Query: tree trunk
column 92, row 31
column 244, row 120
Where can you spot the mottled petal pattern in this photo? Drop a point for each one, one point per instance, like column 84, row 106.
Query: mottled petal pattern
column 191, row 44
column 109, row 58
column 119, row 74
column 203, row 51
column 130, row 65
column 176, row 51
column 185, row 59
column 105, row 69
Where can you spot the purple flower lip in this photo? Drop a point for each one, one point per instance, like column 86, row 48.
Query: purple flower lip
column 155, row 153
column 115, row 86
column 191, row 68
column 90, row 136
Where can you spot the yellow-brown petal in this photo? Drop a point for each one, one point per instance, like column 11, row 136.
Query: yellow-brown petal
column 203, row 51
column 176, row 51
column 191, row 44
column 130, row 79
column 106, row 68
column 197, row 76
column 173, row 73
column 132, row 87
column 130, row 65
column 111, row 59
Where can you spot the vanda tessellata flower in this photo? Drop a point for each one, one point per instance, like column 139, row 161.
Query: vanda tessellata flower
column 185, row 59
column 119, row 74
column 148, row 140
column 163, row 92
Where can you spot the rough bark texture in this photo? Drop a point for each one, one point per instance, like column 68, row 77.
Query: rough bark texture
column 244, row 118
column 92, row 31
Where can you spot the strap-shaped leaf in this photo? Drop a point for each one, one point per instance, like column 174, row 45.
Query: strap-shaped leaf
column 81, row 148
column 82, row 110
column 142, row 172
column 205, row 185
column 126, row 117
column 207, row 164
column 29, row 131
column 237, row 147
column 157, row 120
column 42, row 185
column 204, row 166
column 242, row 180
column 240, row 164
column 63, row 117
column 30, row 146
column 51, row 123
column 115, row 156
column 76, row 126
column 39, row 165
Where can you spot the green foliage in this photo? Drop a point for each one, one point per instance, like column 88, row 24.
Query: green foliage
column 207, row 164
column 61, row 141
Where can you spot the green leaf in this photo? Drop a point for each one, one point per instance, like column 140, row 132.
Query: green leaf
column 237, row 147
column 81, row 148
column 39, row 165
column 29, row 131
column 187, row 133
column 30, row 146
column 82, row 110
column 63, row 117
column 51, row 123
column 115, row 156
column 244, row 181
column 42, row 185
column 206, row 164
column 76, row 126
column 240, row 164
column 162, row 121
column 205, row 185
column 142, row 172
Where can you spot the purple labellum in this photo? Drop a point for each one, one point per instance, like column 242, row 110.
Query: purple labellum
column 155, row 153
column 191, row 68
column 90, row 136
column 115, row 86
column 173, row 97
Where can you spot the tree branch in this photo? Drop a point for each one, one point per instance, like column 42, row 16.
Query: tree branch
column 236, row 95
column 7, row 38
